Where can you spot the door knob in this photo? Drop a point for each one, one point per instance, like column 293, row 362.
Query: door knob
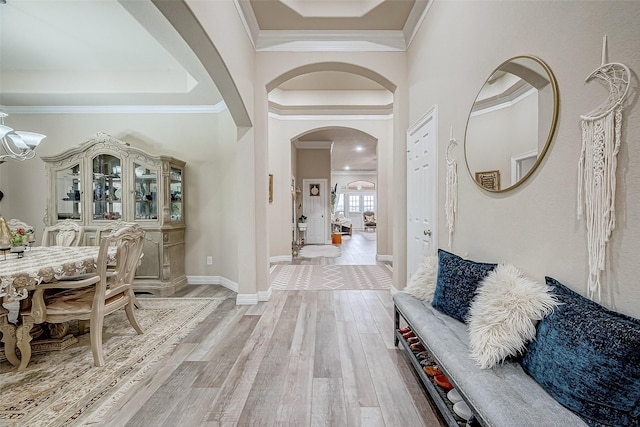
column 427, row 232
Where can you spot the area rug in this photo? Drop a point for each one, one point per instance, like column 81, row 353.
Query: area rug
column 314, row 251
column 61, row 388
column 330, row 277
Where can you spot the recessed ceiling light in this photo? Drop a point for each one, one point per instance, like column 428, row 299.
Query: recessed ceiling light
column 359, row 148
column 346, row 168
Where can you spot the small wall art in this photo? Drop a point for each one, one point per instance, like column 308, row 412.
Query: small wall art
column 489, row 180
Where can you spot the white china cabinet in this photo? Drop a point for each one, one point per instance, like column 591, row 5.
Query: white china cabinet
column 105, row 180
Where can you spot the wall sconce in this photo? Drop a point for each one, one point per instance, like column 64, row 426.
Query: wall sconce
column 17, row 144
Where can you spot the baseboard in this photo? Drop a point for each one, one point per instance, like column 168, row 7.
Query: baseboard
column 281, row 258
column 265, row 295
column 247, row 299
column 385, row 258
column 393, row 290
column 213, row 280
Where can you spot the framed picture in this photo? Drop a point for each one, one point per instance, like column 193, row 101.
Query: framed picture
column 270, row 188
column 314, row 190
column 489, row 180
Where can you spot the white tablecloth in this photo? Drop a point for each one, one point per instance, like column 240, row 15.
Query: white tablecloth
column 44, row 264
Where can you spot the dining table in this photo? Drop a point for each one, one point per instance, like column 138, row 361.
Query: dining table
column 20, row 276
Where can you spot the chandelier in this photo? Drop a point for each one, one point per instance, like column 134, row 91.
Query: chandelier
column 17, row 144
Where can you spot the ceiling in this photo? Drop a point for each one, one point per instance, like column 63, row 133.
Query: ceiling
column 80, row 54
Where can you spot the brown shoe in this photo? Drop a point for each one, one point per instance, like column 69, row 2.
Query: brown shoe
column 417, row 347
column 443, row 382
column 432, row 370
column 409, row 334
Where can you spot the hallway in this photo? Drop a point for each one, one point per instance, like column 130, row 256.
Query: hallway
column 357, row 249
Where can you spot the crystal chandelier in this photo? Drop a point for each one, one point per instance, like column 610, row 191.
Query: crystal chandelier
column 17, row 144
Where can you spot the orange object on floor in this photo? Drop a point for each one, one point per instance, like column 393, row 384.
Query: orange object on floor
column 336, row 238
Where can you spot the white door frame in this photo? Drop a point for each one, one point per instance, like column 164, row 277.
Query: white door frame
column 429, row 235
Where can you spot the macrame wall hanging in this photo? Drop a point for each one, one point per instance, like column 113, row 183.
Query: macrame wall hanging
column 597, row 166
column 451, row 195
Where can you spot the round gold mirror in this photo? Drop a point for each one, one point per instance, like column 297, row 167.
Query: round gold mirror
column 511, row 123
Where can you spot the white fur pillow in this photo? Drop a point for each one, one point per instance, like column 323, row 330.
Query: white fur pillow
column 503, row 315
column 423, row 282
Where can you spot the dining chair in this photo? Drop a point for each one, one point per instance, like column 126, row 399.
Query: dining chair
column 92, row 298
column 63, row 233
column 110, row 228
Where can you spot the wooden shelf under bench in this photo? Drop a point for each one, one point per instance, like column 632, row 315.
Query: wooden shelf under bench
column 437, row 394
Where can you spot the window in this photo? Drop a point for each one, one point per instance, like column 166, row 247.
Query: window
column 354, row 203
column 360, row 202
column 368, row 202
column 340, row 203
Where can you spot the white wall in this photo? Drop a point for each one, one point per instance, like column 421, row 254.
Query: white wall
column 535, row 225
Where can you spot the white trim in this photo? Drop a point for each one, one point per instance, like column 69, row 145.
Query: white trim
column 247, row 299
column 273, row 115
column 117, row 109
column 334, row 41
column 506, row 104
column 393, row 290
column 213, row 280
column 515, row 164
column 281, row 258
column 265, row 295
column 384, row 258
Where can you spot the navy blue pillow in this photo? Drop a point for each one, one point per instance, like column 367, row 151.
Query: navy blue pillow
column 588, row 358
column 458, row 279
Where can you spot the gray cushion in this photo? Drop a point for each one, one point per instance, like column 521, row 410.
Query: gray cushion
column 502, row 396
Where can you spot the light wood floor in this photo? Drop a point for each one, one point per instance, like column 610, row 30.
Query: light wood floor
column 304, row 358
column 357, row 249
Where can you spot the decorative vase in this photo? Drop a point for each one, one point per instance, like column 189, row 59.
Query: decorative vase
column 5, row 234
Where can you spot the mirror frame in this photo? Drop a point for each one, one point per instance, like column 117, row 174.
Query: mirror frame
column 552, row 129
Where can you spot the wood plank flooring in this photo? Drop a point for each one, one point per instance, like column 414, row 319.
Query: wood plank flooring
column 304, row 358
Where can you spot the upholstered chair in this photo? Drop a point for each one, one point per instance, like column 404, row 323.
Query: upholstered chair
column 94, row 297
column 369, row 220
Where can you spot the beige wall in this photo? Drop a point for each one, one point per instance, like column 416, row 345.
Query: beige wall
column 535, row 225
column 281, row 132
column 205, row 141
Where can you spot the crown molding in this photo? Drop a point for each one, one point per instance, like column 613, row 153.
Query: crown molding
column 334, row 117
column 320, row 110
column 117, row 109
column 322, row 41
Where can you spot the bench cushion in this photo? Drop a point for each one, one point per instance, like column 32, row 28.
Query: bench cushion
column 502, row 396
column 588, row 358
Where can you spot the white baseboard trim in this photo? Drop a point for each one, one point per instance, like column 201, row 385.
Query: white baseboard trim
column 241, row 299
column 265, row 295
column 281, row 258
column 247, row 299
column 213, row 280
column 393, row 290
column 385, row 258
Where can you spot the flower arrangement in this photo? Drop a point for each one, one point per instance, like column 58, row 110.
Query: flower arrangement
column 21, row 236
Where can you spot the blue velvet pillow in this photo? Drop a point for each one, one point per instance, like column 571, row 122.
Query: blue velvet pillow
column 588, row 358
column 458, row 279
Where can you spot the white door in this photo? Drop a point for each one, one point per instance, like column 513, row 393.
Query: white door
column 422, row 190
column 314, row 207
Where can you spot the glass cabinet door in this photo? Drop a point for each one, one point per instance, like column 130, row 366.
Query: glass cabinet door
column 146, row 192
column 68, row 191
column 107, row 187
column 175, row 184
